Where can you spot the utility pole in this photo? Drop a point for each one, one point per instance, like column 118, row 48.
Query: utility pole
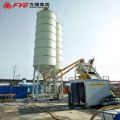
column 14, row 71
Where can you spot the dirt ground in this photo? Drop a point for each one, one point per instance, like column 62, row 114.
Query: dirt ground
column 43, row 110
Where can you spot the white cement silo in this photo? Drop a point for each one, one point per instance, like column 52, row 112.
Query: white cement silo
column 47, row 52
column 45, row 41
column 59, row 55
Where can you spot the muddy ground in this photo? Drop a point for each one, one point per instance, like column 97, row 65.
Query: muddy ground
column 43, row 110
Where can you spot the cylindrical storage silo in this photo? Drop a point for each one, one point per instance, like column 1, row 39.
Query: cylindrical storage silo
column 45, row 41
column 59, row 55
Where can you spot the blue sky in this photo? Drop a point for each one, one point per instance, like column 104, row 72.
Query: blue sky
column 90, row 30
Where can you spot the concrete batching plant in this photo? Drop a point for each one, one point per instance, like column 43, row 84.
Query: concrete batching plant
column 48, row 46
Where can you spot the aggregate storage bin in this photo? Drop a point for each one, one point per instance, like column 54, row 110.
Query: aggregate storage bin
column 20, row 91
column 89, row 92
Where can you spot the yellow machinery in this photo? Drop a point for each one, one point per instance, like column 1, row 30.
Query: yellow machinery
column 84, row 70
